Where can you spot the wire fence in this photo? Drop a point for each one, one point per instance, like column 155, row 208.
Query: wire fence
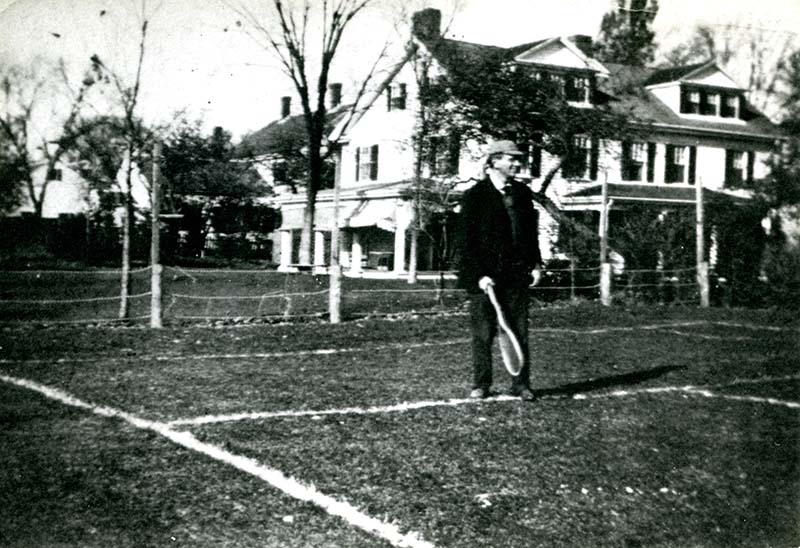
column 207, row 295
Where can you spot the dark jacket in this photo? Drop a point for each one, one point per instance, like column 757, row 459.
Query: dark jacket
column 485, row 244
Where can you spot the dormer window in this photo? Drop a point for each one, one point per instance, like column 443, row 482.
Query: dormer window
column 709, row 103
column 54, row 174
column 577, row 89
column 690, row 101
column 396, row 97
column 730, row 106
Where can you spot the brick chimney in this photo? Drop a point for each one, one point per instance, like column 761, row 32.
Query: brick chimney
column 286, row 106
column 335, row 91
column 427, row 24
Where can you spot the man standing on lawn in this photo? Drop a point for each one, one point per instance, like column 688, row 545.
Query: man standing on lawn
column 499, row 246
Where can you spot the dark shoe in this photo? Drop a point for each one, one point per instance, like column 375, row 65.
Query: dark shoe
column 524, row 394
column 479, row 393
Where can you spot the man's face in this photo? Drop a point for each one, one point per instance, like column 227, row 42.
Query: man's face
column 506, row 164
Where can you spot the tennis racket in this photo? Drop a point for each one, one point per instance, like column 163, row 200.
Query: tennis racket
column 510, row 348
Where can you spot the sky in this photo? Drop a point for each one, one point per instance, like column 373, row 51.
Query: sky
column 198, row 58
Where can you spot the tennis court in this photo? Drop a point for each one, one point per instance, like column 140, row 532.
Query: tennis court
column 654, row 427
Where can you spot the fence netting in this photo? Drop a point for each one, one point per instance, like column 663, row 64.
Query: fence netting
column 201, row 295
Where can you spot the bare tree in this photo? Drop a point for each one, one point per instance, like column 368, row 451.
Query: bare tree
column 128, row 96
column 40, row 114
column 291, row 43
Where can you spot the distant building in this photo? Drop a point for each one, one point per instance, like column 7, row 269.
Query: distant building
column 700, row 129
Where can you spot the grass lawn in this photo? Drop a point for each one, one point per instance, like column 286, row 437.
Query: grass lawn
column 658, row 427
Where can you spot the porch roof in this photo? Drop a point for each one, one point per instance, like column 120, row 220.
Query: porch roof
column 352, row 214
column 646, row 192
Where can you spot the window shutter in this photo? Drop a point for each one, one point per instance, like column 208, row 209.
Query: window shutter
column 692, row 164
column 651, row 162
column 389, row 98
column 454, row 153
column 751, row 160
column 728, row 166
column 684, row 99
column 594, row 159
column 624, row 160
column 669, row 165
column 358, row 162
column 536, row 161
column 373, row 172
column 742, row 108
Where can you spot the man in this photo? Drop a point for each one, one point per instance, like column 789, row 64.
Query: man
column 499, row 246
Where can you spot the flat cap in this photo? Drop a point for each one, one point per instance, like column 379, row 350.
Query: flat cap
column 503, row 147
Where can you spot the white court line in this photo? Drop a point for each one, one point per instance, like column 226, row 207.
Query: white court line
column 699, row 391
column 398, row 408
column 705, row 336
column 276, row 478
column 409, row 406
column 252, row 355
column 406, row 346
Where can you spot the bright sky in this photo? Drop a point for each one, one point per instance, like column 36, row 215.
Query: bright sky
column 198, row 59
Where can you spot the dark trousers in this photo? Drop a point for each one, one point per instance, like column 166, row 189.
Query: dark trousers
column 514, row 303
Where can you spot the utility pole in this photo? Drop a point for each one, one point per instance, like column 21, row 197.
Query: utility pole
column 335, row 275
column 702, row 264
column 155, row 240
column 605, row 267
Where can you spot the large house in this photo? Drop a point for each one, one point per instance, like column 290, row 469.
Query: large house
column 700, row 130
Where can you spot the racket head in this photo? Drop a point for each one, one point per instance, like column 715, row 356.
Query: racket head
column 511, row 352
column 510, row 349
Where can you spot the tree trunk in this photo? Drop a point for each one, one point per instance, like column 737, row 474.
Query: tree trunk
column 125, row 281
column 314, row 184
column 412, row 254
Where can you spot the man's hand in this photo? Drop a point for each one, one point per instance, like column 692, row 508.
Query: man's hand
column 537, row 275
column 485, row 282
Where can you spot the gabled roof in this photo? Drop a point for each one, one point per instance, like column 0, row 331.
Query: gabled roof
column 579, row 45
column 285, row 134
column 458, row 55
column 627, row 85
column 672, row 74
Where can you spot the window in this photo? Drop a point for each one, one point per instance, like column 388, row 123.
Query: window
column 690, row 101
column 443, row 155
column 709, row 103
column 730, row 106
column 532, row 158
column 577, row 89
column 681, row 164
column 367, row 163
column 738, row 166
column 54, row 174
column 280, row 172
column 396, row 97
column 581, row 161
column 676, row 164
column 634, row 156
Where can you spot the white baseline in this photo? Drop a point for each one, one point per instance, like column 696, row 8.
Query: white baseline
column 276, row 478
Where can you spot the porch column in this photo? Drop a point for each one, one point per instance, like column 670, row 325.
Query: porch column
column 344, row 249
column 355, row 253
column 403, row 217
column 399, row 249
column 286, row 250
column 319, row 248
